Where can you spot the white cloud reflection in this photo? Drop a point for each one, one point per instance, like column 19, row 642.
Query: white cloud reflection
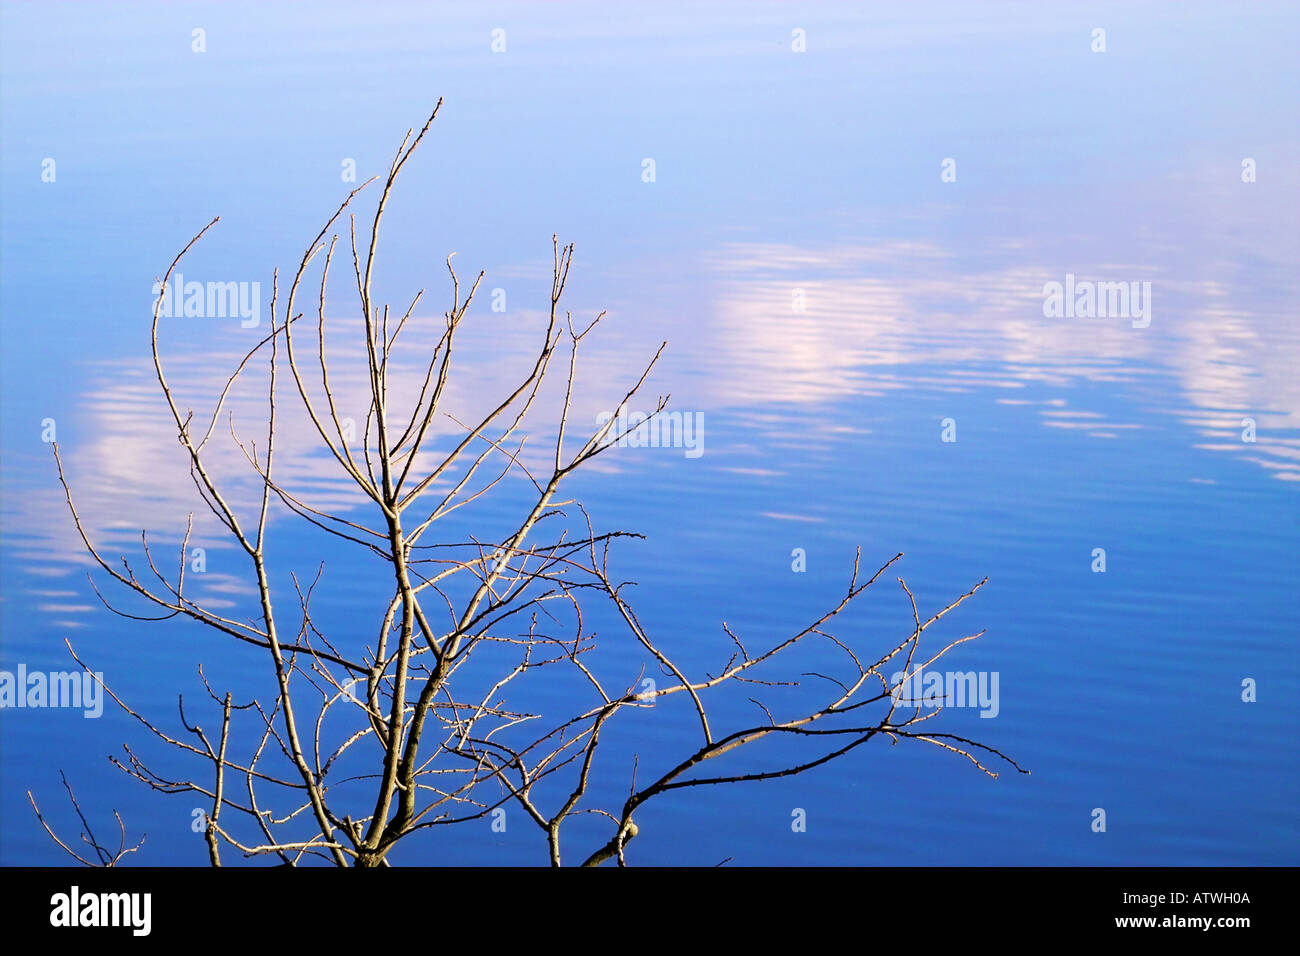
column 879, row 320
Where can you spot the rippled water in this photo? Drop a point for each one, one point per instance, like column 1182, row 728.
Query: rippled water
column 833, row 309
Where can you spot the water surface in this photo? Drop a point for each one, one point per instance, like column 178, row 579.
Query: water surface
column 830, row 302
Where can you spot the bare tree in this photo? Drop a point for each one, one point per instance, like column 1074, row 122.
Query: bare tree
column 362, row 743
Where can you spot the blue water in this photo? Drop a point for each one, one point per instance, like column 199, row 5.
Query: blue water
column 775, row 171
